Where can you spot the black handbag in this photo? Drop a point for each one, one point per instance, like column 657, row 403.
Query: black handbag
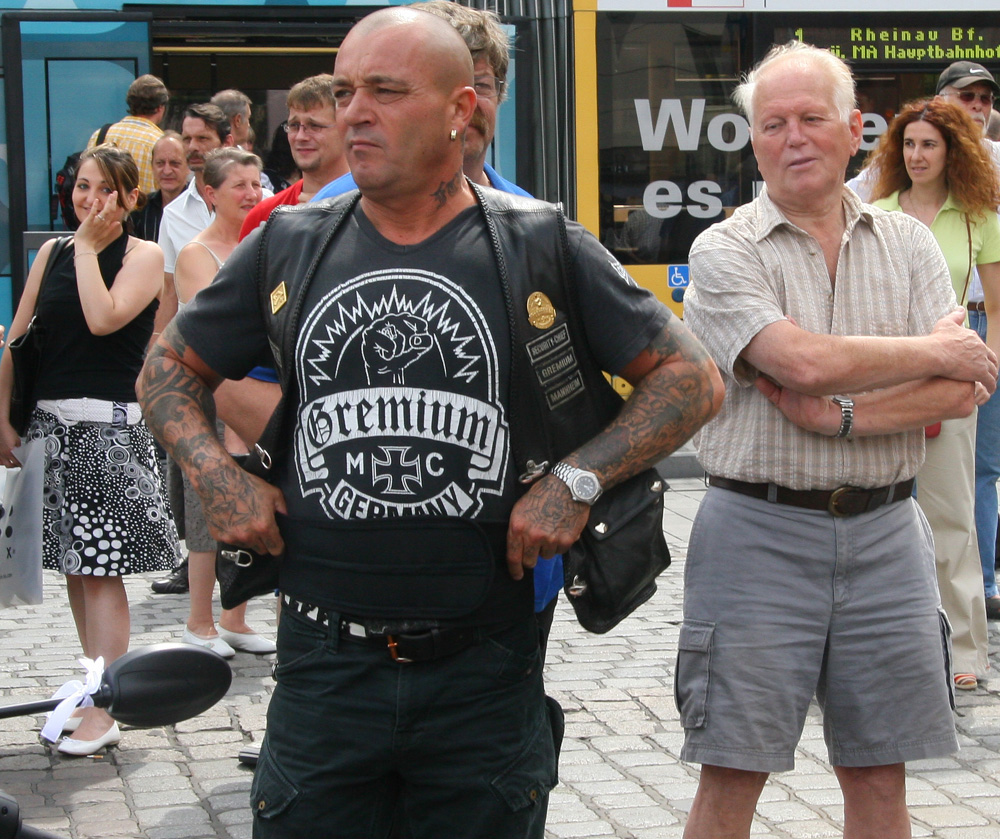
column 611, row 569
column 243, row 573
column 26, row 354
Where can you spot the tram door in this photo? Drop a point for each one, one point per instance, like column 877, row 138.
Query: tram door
column 65, row 75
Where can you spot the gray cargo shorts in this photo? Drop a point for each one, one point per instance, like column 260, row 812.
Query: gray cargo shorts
column 781, row 604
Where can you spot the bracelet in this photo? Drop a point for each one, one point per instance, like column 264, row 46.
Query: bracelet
column 84, row 253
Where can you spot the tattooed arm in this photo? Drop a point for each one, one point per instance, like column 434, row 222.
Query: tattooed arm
column 175, row 390
column 677, row 390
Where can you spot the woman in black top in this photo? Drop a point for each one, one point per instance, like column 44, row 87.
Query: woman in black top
column 104, row 514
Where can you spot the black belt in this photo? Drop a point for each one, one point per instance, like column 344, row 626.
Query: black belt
column 977, row 306
column 842, row 501
column 405, row 648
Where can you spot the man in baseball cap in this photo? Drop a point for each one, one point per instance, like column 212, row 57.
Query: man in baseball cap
column 970, row 86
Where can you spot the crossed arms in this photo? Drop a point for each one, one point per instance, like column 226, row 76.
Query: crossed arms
column 899, row 383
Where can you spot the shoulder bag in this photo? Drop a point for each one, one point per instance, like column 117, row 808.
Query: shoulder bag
column 241, row 572
column 26, row 353
column 611, row 569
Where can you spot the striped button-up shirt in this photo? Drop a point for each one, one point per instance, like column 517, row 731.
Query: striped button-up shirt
column 756, row 268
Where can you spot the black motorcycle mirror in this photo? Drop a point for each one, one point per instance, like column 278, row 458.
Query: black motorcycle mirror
column 157, row 685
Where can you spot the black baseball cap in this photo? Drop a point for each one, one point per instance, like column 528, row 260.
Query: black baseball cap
column 963, row 73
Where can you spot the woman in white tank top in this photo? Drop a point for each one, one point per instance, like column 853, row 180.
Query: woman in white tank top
column 232, row 184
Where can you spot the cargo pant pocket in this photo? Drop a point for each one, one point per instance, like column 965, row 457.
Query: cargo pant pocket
column 946, row 647
column 271, row 793
column 692, row 676
column 528, row 779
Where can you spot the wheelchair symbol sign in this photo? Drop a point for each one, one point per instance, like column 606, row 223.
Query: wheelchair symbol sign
column 678, row 276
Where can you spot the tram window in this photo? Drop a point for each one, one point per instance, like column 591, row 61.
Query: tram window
column 673, row 148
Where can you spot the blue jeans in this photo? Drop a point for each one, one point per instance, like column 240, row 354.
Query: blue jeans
column 464, row 745
column 987, row 473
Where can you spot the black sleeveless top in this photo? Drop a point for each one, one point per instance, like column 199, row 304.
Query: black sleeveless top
column 75, row 362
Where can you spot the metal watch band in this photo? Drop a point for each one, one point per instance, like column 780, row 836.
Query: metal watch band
column 846, row 415
column 569, row 475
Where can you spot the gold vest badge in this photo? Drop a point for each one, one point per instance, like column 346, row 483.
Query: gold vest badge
column 279, row 297
column 541, row 312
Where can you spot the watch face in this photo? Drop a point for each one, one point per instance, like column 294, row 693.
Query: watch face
column 585, row 486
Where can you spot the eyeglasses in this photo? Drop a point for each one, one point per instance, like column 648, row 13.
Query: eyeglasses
column 489, row 87
column 968, row 96
column 311, row 129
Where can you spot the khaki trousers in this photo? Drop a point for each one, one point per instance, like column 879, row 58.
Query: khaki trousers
column 946, row 493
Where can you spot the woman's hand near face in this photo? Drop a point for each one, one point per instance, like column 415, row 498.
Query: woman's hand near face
column 101, row 226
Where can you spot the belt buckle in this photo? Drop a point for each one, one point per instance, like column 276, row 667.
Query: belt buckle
column 835, row 497
column 394, row 651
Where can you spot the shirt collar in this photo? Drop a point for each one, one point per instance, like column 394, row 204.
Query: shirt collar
column 769, row 217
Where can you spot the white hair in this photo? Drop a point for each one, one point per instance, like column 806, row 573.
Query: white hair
column 838, row 72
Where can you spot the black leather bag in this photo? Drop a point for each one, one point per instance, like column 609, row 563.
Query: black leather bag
column 611, row 569
column 26, row 354
column 241, row 572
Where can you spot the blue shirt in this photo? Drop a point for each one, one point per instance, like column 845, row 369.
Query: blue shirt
column 345, row 183
column 548, row 572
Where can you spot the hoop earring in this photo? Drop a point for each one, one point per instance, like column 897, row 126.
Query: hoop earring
column 454, row 134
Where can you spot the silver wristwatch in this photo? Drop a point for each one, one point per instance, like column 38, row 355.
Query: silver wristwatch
column 846, row 414
column 583, row 485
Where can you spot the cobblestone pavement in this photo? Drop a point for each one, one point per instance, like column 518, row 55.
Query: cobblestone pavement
column 620, row 774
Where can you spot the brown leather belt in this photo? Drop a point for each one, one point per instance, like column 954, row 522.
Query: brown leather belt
column 842, row 501
column 978, row 306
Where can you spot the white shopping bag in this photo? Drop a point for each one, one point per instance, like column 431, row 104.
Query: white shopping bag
column 21, row 528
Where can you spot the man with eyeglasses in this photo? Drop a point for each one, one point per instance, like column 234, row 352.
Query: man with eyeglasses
column 317, row 145
column 972, row 87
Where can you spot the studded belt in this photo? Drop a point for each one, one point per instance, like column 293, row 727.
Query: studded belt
column 404, row 648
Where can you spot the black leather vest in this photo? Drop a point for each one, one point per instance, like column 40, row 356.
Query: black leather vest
column 558, row 396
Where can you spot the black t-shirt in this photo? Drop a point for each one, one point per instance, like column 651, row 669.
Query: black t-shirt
column 402, row 365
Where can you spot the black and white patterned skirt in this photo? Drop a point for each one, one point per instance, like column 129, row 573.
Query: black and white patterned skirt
column 104, row 511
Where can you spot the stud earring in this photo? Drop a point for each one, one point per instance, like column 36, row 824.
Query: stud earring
column 454, row 134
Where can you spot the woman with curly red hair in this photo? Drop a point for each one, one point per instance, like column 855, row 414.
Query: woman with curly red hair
column 932, row 165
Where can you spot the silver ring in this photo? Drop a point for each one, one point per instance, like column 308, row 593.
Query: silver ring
column 100, row 217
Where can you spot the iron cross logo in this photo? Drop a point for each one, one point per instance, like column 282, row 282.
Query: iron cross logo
column 400, row 411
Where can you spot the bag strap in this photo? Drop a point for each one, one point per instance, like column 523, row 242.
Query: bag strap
column 103, row 133
column 61, row 244
column 968, row 276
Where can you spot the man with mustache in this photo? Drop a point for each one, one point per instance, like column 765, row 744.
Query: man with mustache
column 411, row 314
column 488, row 44
column 204, row 128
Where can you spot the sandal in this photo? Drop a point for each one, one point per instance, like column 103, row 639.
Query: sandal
column 966, row 681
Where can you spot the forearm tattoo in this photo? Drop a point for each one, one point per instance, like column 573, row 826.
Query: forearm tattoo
column 180, row 411
column 666, row 408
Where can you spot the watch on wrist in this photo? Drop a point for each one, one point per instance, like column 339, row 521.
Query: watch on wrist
column 583, row 485
column 846, row 415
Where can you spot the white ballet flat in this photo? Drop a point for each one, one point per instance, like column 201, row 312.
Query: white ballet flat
column 248, row 642
column 81, row 748
column 215, row 643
